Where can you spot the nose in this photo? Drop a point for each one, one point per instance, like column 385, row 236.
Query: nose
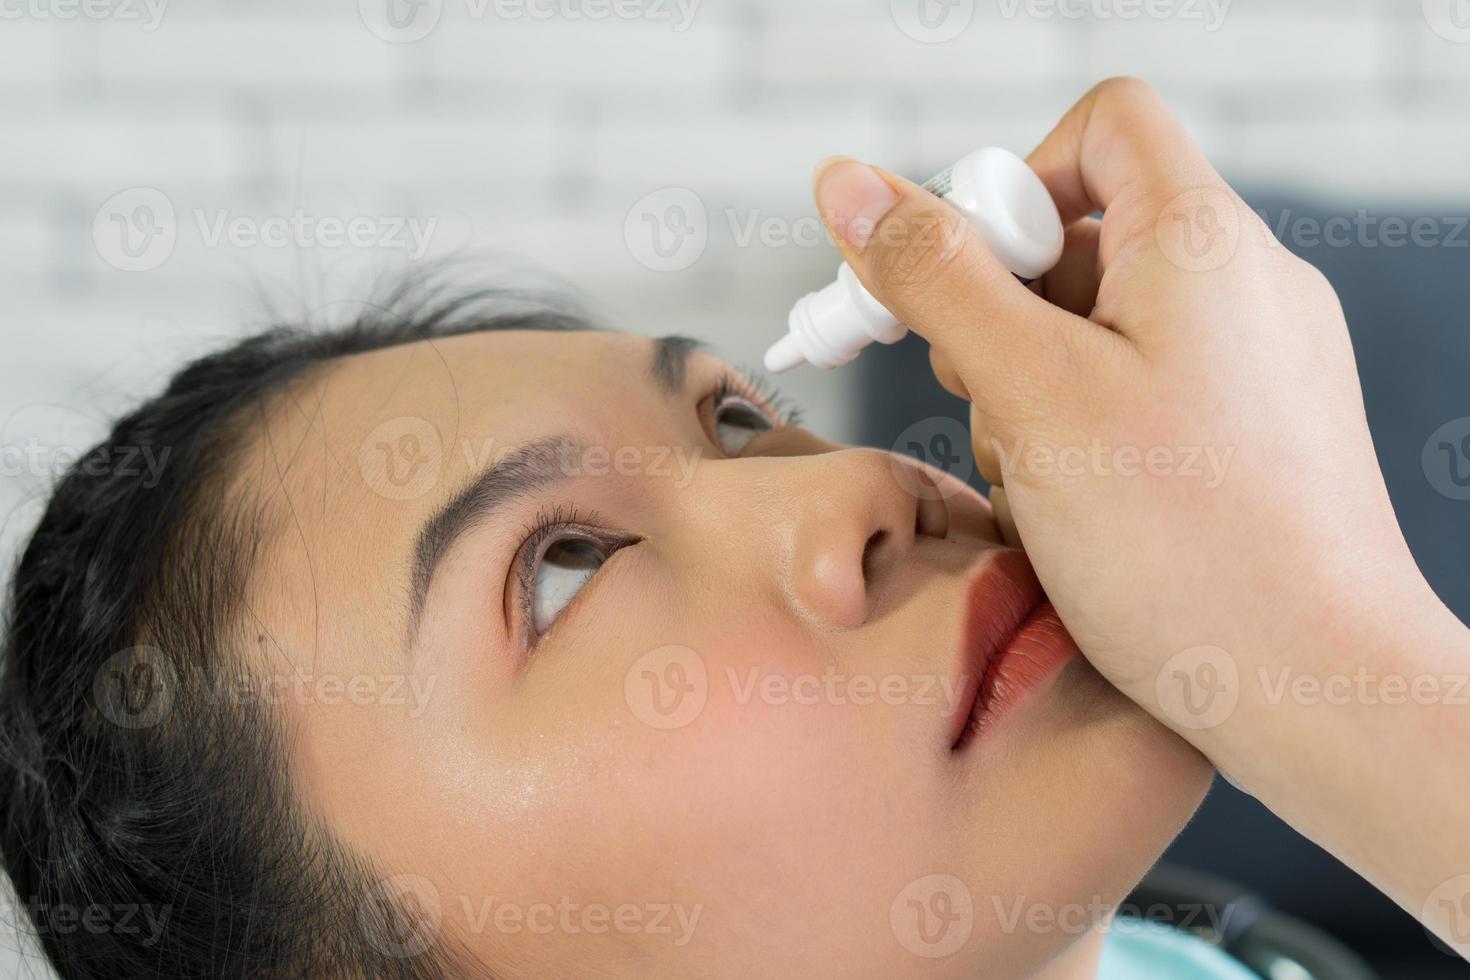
column 837, row 522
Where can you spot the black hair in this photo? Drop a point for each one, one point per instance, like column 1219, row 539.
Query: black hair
column 149, row 828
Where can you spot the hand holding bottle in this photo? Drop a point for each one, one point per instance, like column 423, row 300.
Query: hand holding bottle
column 1173, row 331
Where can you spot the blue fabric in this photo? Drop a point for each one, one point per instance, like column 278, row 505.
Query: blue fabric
column 1140, row 950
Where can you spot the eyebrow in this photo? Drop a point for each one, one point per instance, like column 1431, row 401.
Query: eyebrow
column 527, row 469
column 522, row 472
column 670, row 360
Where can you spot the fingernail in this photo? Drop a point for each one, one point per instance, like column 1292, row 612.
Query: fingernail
column 852, row 198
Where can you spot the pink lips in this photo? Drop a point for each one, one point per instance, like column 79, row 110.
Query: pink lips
column 1013, row 642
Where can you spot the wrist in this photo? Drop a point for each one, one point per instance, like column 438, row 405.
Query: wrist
column 1289, row 697
column 1355, row 732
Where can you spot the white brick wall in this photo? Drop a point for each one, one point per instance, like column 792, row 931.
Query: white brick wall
column 536, row 136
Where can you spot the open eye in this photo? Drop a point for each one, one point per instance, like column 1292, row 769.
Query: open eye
column 565, row 565
column 742, row 407
column 738, row 420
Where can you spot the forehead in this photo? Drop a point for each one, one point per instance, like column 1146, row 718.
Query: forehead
column 504, row 374
column 464, row 397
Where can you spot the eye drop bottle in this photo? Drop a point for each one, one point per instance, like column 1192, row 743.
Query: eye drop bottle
column 1003, row 200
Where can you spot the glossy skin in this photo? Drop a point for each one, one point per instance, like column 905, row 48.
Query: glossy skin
column 777, row 831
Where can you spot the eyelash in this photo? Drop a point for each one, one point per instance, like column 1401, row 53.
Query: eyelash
column 550, row 522
column 757, row 388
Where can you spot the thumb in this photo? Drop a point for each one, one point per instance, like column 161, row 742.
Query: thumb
column 922, row 260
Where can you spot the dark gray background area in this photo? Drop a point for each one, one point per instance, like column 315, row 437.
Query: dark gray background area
column 1408, row 309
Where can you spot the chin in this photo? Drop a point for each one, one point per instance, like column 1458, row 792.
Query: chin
column 1181, row 774
column 1148, row 780
column 1102, row 787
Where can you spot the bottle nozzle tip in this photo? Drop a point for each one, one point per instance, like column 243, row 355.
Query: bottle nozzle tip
column 783, row 355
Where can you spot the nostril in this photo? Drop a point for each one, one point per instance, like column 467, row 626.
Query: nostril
column 870, row 548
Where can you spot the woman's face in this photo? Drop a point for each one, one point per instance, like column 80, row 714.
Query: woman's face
column 617, row 675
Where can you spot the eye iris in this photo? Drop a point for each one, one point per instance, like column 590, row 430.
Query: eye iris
column 565, row 567
column 737, row 422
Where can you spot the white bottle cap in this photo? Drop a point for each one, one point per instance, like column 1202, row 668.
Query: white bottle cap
column 1011, row 209
column 1003, row 200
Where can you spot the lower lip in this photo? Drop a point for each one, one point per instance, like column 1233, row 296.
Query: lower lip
column 1026, row 664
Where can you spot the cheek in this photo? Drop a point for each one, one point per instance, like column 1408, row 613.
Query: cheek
column 733, row 739
column 725, row 771
column 761, row 807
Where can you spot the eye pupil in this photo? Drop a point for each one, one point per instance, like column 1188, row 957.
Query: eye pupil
column 575, row 554
column 743, row 415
